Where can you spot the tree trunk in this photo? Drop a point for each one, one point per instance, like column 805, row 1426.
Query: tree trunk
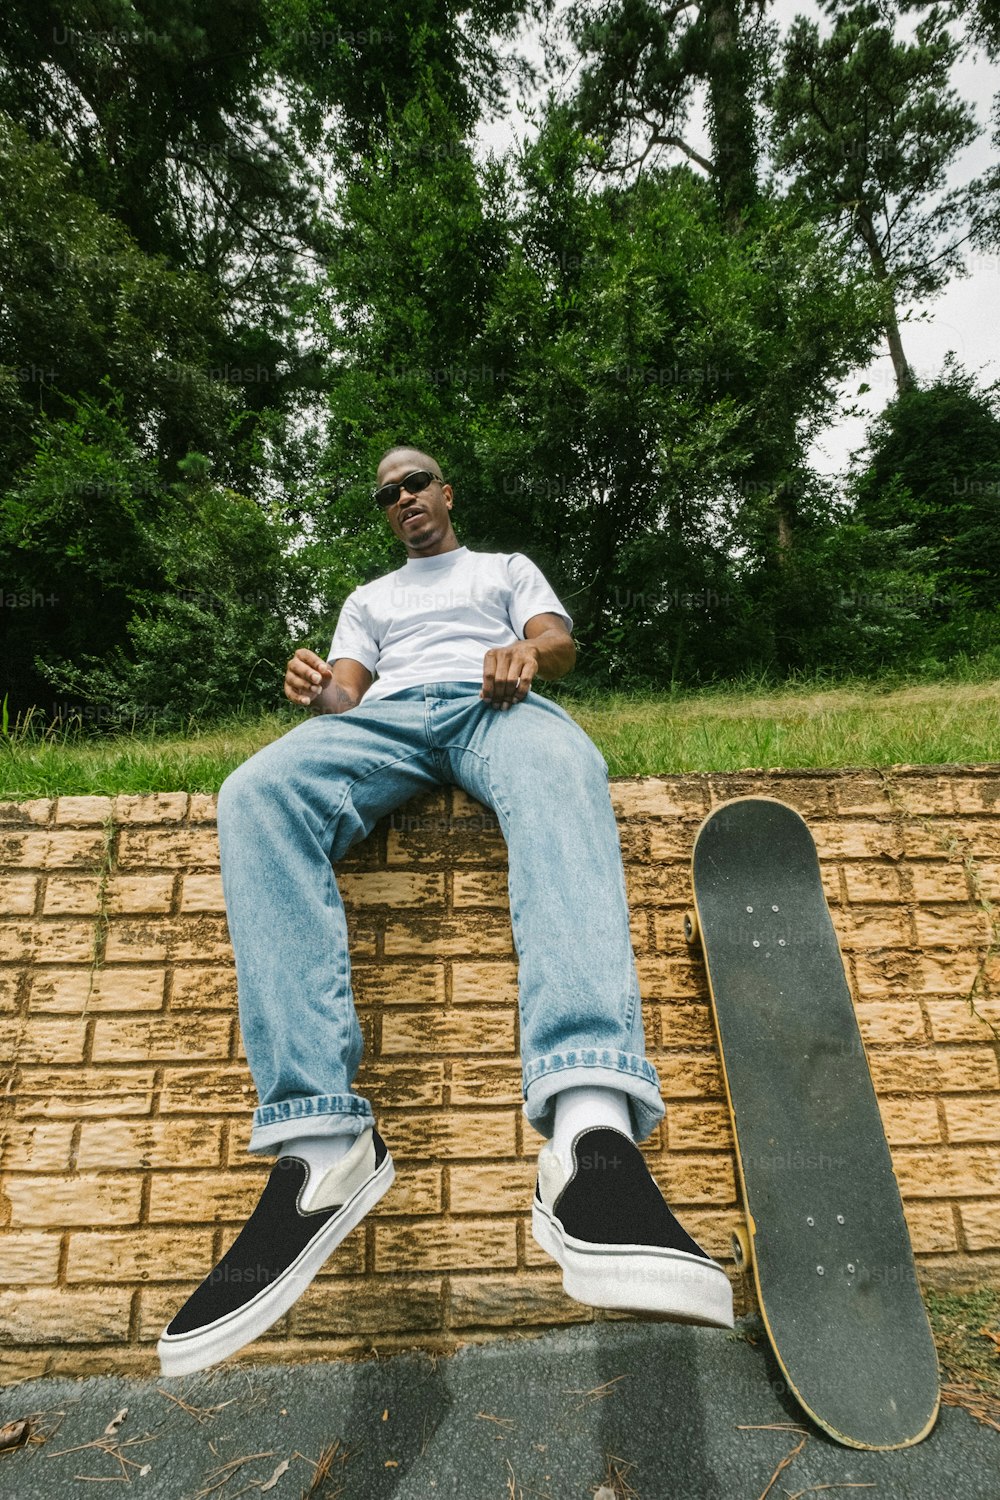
column 732, row 119
column 905, row 380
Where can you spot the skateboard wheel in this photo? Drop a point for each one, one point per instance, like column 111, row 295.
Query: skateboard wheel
column 691, row 926
column 741, row 1247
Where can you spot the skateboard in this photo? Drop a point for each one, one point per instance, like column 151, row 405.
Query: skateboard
column 825, row 1234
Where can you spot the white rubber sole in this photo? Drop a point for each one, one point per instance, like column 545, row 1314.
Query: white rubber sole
column 637, row 1278
column 186, row 1353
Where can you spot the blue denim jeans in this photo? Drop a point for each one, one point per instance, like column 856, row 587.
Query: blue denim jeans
column 300, row 803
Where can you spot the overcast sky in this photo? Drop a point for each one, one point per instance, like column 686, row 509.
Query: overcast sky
column 965, row 317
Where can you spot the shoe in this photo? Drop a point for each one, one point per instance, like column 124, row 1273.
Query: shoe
column 276, row 1254
column 619, row 1245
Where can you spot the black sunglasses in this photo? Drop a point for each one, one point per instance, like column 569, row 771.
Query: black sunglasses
column 414, row 483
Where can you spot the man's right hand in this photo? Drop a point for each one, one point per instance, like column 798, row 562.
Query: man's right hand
column 305, row 676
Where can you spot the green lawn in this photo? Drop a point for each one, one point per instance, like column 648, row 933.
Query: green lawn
column 856, row 724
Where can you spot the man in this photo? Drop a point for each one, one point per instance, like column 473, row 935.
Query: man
column 456, row 638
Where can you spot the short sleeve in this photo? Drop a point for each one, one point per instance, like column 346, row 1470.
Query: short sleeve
column 352, row 636
column 531, row 593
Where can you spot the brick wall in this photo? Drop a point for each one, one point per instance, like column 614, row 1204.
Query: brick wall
column 125, row 1095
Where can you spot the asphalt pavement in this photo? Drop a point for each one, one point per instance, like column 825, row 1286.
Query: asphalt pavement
column 648, row 1411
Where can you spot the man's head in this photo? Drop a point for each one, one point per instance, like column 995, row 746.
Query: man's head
column 421, row 518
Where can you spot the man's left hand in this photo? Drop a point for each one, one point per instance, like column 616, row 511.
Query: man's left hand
column 507, row 673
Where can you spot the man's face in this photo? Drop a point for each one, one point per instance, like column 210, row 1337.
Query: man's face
column 421, row 521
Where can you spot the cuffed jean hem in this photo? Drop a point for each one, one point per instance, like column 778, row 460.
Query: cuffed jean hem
column 322, row 1114
column 594, row 1068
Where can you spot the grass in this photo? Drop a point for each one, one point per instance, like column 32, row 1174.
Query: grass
column 742, row 727
column 966, row 1328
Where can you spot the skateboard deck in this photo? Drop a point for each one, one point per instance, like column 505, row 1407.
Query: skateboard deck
column 826, row 1238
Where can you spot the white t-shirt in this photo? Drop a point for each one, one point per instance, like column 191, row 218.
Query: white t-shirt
column 435, row 618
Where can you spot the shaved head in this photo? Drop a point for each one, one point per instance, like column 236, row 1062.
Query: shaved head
column 400, row 453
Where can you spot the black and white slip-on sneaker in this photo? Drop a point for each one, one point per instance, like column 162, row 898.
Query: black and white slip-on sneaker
column 609, row 1227
column 296, row 1225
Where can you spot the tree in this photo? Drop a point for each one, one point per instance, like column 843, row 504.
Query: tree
column 864, row 128
column 934, row 465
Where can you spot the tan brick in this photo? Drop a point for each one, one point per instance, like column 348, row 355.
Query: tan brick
column 373, row 1307
column 165, row 939
column 860, row 795
column 707, row 1178
column 512, row 1301
column 688, row 1075
column 471, row 983
column 658, row 885
column 150, row 1143
column 486, row 1083
column 362, row 936
column 398, row 984
column 972, row 1119
column 204, row 987
column 976, row 793
column 980, row 1225
column 51, row 849
column 691, row 1127
column 986, row 882
column 445, row 842
column 51, row 941
column 71, row 895
column 489, row 1189
column 419, row 1190
column 75, row 991
column 922, row 790
column 462, row 1029
column 951, row 927
column 141, row 893
column 938, row 881
column 142, row 1038
column 52, row 1042
column 897, row 971
column 920, row 1070
column 931, row 838
column 686, row 1025
column 23, row 814
column 53, row 1202
column 404, row 1085
column 480, row 888
column 949, row 1172
column 41, row 1147
column 56, row 1315
column 168, row 848
column 29, row 1258
column 151, row 807
column 482, row 1134
column 202, row 807
column 12, row 982
column 910, row 1121
column 672, row 842
column 197, row 1197
column 113, row 1256
column 92, row 1092
column 463, row 1244
column 889, row 1022
column 84, row 809
column 658, row 797
column 393, row 888
column 673, row 978
column 858, row 838
column 932, row 1227
column 201, row 893
column 872, row 927
column 869, row 881
column 960, row 1021
column 17, row 894
column 445, row 935
column 213, row 1090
